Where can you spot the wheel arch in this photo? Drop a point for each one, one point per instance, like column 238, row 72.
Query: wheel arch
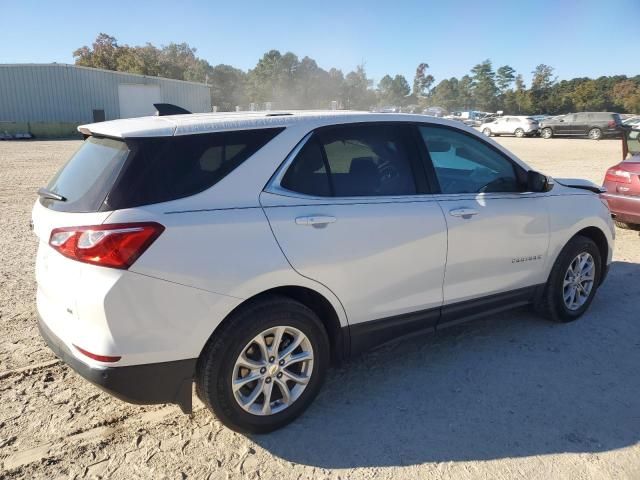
column 600, row 239
column 312, row 299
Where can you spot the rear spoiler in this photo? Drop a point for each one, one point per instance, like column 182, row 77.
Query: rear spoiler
column 581, row 184
column 169, row 109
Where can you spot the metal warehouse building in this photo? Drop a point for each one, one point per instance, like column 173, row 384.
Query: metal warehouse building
column 53, row 99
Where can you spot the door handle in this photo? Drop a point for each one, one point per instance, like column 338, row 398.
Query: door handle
column 463, row 212
column 315, row 220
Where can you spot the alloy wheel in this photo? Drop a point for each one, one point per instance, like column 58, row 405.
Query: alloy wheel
column 272, row 370
column 578, row 281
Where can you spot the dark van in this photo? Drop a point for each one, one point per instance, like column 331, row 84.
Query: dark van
column 594, row 125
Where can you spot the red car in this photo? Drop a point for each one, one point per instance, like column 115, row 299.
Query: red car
column 622, row 183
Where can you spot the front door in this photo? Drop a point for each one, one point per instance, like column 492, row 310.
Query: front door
column 350, row 211
column 497, row 232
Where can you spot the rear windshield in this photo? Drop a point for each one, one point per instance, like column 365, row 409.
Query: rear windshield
column 107, row 174
column 88, row 175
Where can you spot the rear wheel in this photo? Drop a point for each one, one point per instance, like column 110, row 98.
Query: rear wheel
column 573, row 281
column 546, row 133
column 487, row 132
column 519, row 132
column 595, row 134
column 265, row 365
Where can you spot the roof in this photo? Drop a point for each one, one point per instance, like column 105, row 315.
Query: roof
column 214, row 122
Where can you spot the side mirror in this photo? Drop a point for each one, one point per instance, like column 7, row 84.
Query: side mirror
column 537, row 182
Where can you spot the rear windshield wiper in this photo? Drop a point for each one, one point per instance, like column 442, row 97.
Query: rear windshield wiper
column 44, row 193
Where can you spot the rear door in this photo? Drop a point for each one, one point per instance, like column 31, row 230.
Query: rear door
column 351, row 209
column 581, row 124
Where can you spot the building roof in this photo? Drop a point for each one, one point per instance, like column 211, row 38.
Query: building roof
column 96, row 70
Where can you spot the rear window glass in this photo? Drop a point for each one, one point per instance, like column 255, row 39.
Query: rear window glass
column 108, row 174
column 88, row 175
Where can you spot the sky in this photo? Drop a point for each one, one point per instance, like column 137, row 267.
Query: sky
column 577, row 37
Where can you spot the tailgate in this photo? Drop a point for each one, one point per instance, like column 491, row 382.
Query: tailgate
column 58, row 277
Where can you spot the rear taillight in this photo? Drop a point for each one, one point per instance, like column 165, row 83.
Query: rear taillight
column 617, row 174
column 116, row 245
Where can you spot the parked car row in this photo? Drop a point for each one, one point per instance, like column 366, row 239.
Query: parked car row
column 593, row 125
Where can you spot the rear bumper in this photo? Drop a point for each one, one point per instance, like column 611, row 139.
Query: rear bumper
column 625, row 207
column 153, row 383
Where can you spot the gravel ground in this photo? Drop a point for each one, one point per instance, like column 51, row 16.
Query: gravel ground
column 508, row 397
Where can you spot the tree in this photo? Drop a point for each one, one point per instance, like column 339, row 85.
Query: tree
column 356, row 93
column 465, row 93
column 505, row 76
column 272, row 79
column 586, row 96
column 422, row 82
column 484, row 88
column 393, row 91
column 445, row 94
column 541, row 84
column 103, row 53
column 626, row 93
column 227, row 87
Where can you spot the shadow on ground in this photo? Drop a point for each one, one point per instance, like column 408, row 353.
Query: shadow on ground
column 510, row 386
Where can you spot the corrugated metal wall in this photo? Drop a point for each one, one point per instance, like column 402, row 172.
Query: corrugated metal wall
column 66, row 93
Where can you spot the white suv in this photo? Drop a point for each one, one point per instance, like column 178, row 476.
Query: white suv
column 518, row 126
column 246, row 252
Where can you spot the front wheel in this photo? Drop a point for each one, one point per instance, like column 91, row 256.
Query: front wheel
column 265, row 365
column 546, row 133
column 595, row 134
column 519, row 132
column 487, row 132
column 573, row 281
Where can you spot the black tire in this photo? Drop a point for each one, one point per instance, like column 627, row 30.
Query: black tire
column 551, row 304
column 519, row 132
column 595, row 134
column 215, row 365
column 487, row 132
column 546, row 133
column 627, row 226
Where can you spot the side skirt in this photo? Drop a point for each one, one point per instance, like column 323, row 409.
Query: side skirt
column 366, row 335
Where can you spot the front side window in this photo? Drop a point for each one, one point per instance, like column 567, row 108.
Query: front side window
column 353, row 161
column 464, row 164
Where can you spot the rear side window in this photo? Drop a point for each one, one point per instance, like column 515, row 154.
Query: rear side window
column 143, row 171
column 308, row 174
column 372, row 160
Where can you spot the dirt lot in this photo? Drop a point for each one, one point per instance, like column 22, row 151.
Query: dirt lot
column 509, row 397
